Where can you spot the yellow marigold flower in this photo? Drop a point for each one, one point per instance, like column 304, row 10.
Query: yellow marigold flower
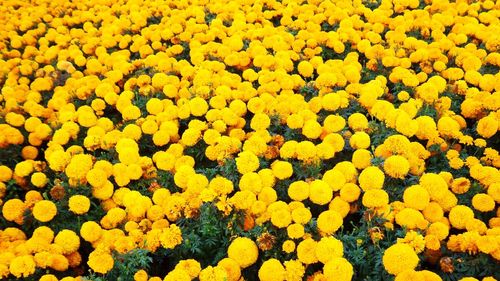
column 48, row 277
column 232, row 268
column 305, row 69
column 100, row 261
column 339, row 269
column 468, row 279
column 177, row 275
column 416, row 197
column 295, row 121
column 23, row 168
column 298, row 190
column 44, row 210
column 14, row 119
column 96, row 177
column 399, row 258
column 435, row 185
column 433, row 212
column 494, row 191
column 360, row 140
column 90, row 231
column 191, row 136
column 312, row 129
column 305, row 150
column 334, row 123
column 22, row 266
column 301, row 215
column 375, row 198
column 350, row 192
column 320, row 192
column 334, row 178
column 289, row 149
column 251, row 182
column 460, row 215
column 413, row 239
column 13, row 209
column 329, row 248
column 79, row 204
column 483, row 202
column 306, row 251
column 295, row 231
column 396, row 166
column 198, row 106
column 191, row 266
column 448, row 127
column 331, row 102
column 487, row 126
column 294, row 270
column 348, row 170
column 410, row 218
column 5, row 173
column 281, row 218
column 271, row 270
column 247, row 162
column 68, row 241
column 141, row 275
column 371, row 178
column 59, row 262
column 213, row 273
column 171, row 236
column 161, row 138
column 244, row 251
column 149, row 127
column 329, row 221
column 39, row 179
column 260, row 121
column 282, row 169
column 132, row 131
column 486, row 244
column 357, row 122
column 288, row 246
column 44, row 232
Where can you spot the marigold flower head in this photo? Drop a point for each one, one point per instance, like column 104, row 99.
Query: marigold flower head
column 306, row 251
column 232, row 268
column 338, row 268
column 371, row 178
column 282, row 169
column 396, row 166
column 44, row 210
column 244, row 251
column 398, row 258
column 272, row 269
column 320, row 192
column 460, row 215
column 329, row 248
column 79, row 204
column 101, row 261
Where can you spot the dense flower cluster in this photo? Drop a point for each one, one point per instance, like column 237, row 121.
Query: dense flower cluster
column 250, row 140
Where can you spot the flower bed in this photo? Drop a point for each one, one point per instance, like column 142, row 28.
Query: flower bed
column 249, row 140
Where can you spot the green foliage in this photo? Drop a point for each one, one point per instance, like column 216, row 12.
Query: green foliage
column 428, row 110
column 438, row 162
column 372, row 4
column 230, row 171
column 456, row 101
column 206, row 237
column 379, row 133
column 365, row 254
column 308, row 91
column 304, row 171
column 166, row 179
column 478, row 266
